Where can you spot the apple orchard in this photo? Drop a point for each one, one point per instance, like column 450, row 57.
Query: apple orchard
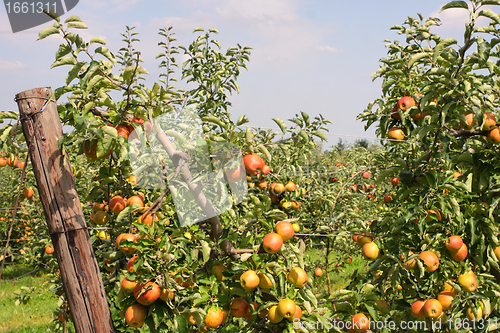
column 420, row 209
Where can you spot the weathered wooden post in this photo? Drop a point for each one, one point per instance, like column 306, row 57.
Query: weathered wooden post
column 82, row 280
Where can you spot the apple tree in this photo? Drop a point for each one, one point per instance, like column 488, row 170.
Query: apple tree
column 241, row 270
column 436, row 246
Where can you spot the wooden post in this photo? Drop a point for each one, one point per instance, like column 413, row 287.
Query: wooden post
column 80, row 273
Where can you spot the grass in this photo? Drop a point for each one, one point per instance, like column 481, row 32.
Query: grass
column 339, row 277
column 37, row 315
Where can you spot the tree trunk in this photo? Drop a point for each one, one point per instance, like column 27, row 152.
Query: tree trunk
column 80, row 273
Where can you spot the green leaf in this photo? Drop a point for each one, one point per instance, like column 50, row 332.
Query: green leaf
column 6, row 131
column 304, row 136
column 77, row 25
column 455, row 4
column 454, row 205
column 443, row 44
column 372, row 311
column 127, row 72
column 69, row 60
column 249, row 135
column 319, row 134
column 181, row 324
column 87, row 108
column 47, row 32
column 264, row 151
column 62, row 51
column 73, row 72
column 242, row 120
column 490, row 14
column 214, row 120
column 198, row 29
column 105, row 52
column 98, row 40
column 281, row 124
column 206, row 250
column 417, row 57
column 490, row 2
column 73, row 19
column 305, row 117
column 52, row 14
column 110, row 130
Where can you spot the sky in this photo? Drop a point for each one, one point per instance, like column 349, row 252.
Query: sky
column 315, row 56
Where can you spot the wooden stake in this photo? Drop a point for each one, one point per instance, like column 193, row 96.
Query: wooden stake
column 80, row 273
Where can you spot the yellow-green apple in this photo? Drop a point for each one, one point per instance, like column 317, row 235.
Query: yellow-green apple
column 128, row 237
column 217, row 271
column 272, row 242
column 277, row 188
column 239, row 307
column 433, row 308
column 264, row 281
column 135, row 315
column 225, row 313
column 494, row 135
column 128, row 286
column 454, row 243
column 214, row 317
column 489, row 121
column 449, row 288
column 117, row 204
column 166, row 294
column 445, row 298
column 405, row 103
column 479, row 308
column 370, row 251
column 287, row 308
column 135, row 199
column 147, row 294
column 235, row 174
column 467, row 281
column 469, row 118
column 285, row 230
column 298, row 312
column 430, row 214
column 130, row 264
column 297, row 277
column 461, row 254
column 253, row 164
column 290, row 186
column 363, row 239
column 395, row 134
column 274, row 315
column 497, row 252
column 430, row 260
column 360, row 322
column 417, row 309
column 249, row 280
column 394, row 112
